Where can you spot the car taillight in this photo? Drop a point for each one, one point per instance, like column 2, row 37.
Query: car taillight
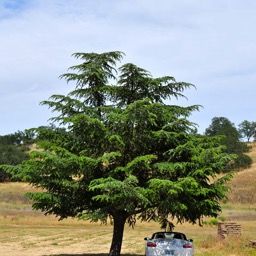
column 151, row 244
column 187, row 246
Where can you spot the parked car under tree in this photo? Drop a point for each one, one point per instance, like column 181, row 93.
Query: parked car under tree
column 169, row 243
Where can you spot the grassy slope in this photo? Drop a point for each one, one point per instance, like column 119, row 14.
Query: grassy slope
column 244, row 183
column 31, row 232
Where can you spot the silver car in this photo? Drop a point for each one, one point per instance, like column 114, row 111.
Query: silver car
column 169, row 244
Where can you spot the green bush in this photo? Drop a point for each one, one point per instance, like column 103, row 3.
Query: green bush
column 211, row 222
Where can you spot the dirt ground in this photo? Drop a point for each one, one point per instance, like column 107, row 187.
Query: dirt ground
column 72, row 250
column 44, row 246
column 70, row 240
column 74, row 238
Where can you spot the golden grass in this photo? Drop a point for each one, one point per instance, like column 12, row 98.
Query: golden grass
column 243, row 184
column 32, row 233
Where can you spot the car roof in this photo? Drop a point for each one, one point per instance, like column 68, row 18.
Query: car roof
column 168, row 232
column 177, row 235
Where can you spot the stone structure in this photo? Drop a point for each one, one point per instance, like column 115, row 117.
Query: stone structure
column 228, row 228
column 252, row 243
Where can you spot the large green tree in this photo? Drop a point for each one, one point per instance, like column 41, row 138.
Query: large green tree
column 123, row 153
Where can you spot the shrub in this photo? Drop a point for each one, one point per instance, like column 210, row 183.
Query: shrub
column 211, row 222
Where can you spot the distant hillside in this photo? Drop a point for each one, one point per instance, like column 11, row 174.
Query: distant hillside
column 244, row 182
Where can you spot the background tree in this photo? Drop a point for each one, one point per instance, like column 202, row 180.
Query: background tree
column 122, row 153
column 221, row 126
column 11, row 155
column 19, row 138
column 247, row 129
column 13, row 150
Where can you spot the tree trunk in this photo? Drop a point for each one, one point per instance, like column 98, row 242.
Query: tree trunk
column 118, row 231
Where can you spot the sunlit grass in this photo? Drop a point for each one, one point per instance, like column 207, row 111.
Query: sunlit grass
column 19, row 224
column 30, row 231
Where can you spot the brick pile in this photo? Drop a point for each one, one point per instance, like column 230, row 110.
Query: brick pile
column 252, row 243
column 228, row 228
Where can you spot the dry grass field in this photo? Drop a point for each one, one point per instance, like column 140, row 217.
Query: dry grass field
column 24, row 232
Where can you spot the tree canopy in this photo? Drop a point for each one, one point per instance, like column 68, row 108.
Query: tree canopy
column 247, row 129
column 230, row 138
column 122, row 153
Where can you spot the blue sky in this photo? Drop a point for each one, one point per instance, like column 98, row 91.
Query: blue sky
column 209, row 43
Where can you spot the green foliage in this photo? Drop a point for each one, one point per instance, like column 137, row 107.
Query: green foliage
column 11, row 155
column 123, row 153
column 222, row 126
column 13, row 150
column 211, row 222
column 18, row 138
column 243, row 161
column 247, row 129
column 230, row 138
